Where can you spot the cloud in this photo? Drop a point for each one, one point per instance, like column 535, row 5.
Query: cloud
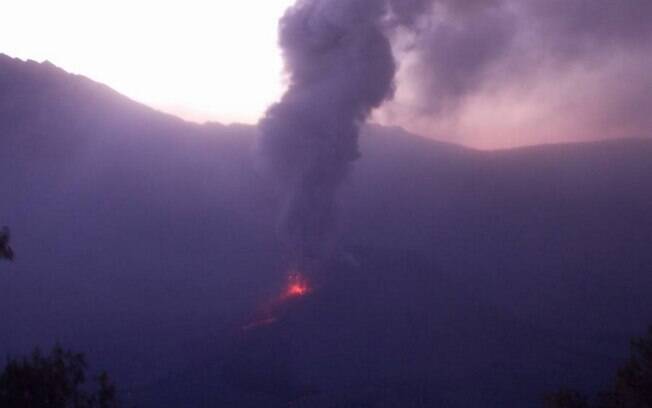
column 340, row 67
column 546, row 54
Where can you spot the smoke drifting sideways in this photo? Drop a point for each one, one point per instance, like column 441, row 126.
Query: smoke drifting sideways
column 340, row 67
column 473, row 70
column 340, row 62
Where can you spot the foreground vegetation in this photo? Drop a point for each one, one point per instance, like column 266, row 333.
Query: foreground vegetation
column 632, row 387
column 56, row 380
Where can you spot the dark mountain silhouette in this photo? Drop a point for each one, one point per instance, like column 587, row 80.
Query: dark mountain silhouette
column 464, row 279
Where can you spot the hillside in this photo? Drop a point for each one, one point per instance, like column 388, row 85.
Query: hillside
column 465, row 278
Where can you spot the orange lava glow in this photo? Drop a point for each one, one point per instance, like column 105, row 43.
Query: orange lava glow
column 297, row 286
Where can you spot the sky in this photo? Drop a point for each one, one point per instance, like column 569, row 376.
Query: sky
column 203, row 60
column 483, row 73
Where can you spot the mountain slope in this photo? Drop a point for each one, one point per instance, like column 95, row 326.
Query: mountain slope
column 465, row 278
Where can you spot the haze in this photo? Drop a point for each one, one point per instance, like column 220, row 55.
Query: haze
column 321, row 252
column 489, row 75
column 202, row 60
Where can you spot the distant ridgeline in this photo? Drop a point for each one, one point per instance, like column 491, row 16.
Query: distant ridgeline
column 484, row 279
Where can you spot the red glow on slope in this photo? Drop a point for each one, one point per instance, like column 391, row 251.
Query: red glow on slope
column 297, row 286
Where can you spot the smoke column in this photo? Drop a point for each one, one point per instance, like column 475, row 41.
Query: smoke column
column 340, row 66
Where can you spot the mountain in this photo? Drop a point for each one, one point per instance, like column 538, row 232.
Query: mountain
column 464, row 278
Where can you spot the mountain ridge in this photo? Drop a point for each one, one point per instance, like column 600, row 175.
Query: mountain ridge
column 52, row 73
column 486, row 278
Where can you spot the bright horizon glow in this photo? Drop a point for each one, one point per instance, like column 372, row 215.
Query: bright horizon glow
column 201, row 60
column 218, row 60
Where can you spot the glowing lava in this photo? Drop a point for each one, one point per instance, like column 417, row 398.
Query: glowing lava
column 297, row 286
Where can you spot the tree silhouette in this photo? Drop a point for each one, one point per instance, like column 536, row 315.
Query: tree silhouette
column 5, row 250
column 57, row 380
column 565, row 399
column 632, row 386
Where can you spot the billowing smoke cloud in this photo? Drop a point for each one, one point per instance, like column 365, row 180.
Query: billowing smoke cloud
column 407, row 12
column 526, row 71
column 456, row 45
column 558, row 62
column 340, row 67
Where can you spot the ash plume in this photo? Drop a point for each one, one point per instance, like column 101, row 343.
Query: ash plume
column 580, row 65
column 461, row 44
column 340, row 67
column 455, row 44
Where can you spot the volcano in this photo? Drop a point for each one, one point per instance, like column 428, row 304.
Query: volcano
column 464, row 278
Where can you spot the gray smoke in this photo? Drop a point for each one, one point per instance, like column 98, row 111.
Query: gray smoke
column 455, row 44
column 465, row 49
column 407, row 12
column 340, row 67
